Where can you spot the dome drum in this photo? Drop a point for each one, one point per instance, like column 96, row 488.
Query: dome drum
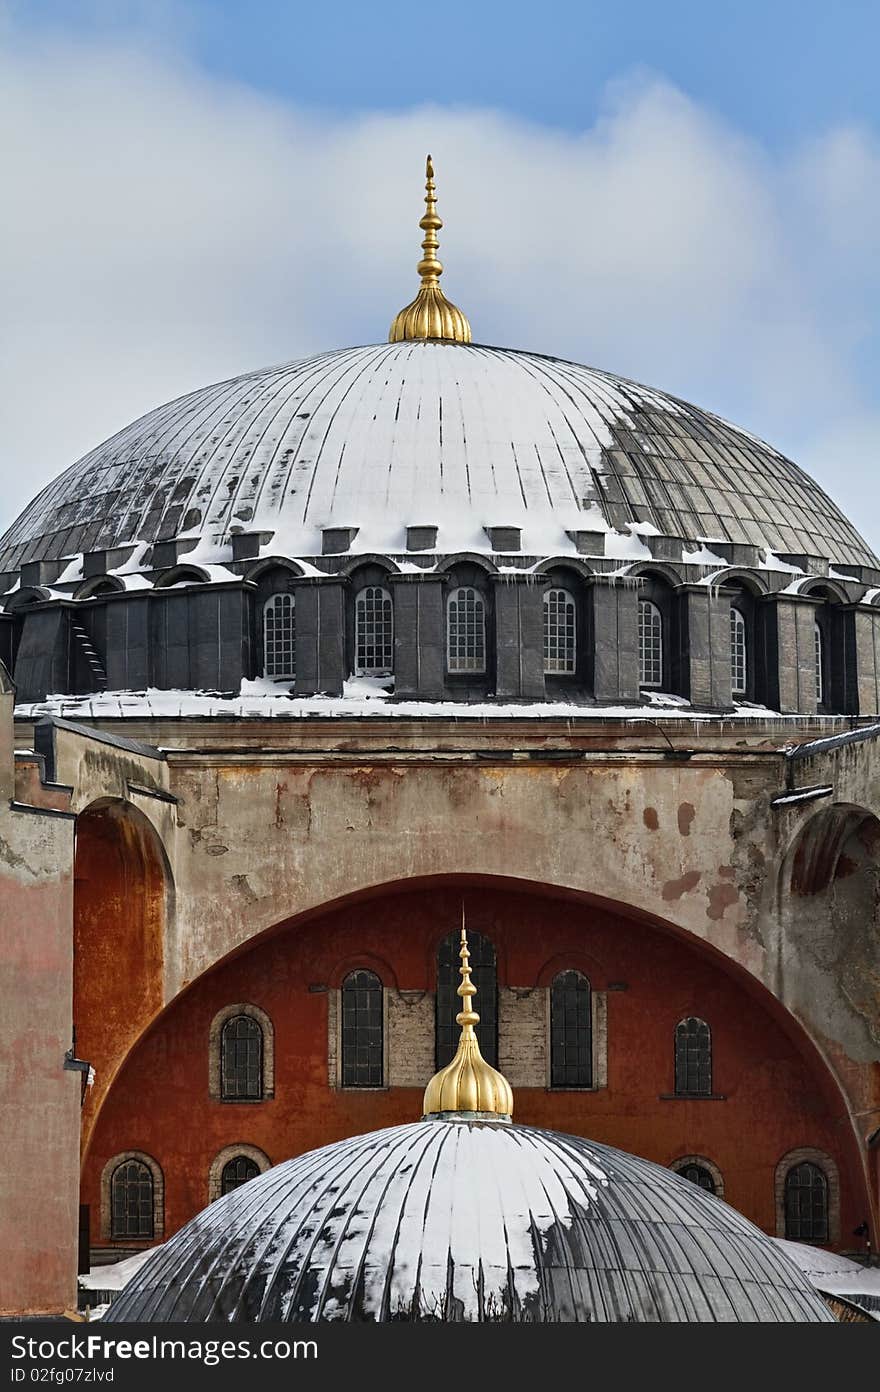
column 203, row 627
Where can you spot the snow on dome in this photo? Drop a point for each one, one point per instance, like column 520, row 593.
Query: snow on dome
column 452, row 435
column 469, row 1220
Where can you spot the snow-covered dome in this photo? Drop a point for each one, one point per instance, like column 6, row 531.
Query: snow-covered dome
column 430, row 433
column 459, row 1218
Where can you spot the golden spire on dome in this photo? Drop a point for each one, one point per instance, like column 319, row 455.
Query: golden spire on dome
column 468, row 1083
column 430, row 315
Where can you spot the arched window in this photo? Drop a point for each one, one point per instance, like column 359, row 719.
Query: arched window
column 466, row 630
column 560, row 641
column 819, row 663
column 698, row 1174
column 484, row 975
column 650, row 644
column 738, row 652
column 279, row 637
column 131, row 1200
column 374, row 632
column 806, row 1203
column 362, row 1030
column 571, row 1031
column 237, row 1172
column 693, row 1058
column 241, row 1060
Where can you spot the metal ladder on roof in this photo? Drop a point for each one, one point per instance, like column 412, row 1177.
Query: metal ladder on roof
column 89, row 652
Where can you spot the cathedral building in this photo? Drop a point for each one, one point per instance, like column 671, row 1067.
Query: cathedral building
column 307, row 667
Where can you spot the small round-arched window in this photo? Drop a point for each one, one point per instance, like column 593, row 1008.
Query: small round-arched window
column 571, row 1031
column 279, row 637
column 698, row 1174
column 236, row 1172
column 738, row 652
column 650, row 644
column 693, row 1058
column 806, row 1203
column 466, row 630
column 374, row 633
column 241, row 1060
column 363, row 1030
column 560, row 637
column 131, row 1200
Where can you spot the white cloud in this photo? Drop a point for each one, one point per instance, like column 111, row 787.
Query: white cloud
column 162, row 230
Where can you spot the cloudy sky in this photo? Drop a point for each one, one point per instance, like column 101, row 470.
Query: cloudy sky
column 687, row 194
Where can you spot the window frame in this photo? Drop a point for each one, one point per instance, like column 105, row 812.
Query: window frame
column 794, row 1223
column 658, row 624
column 569, row 629
column 349, row 1068
column 739, row 647
column 584, row 1084
column 280, row 598
column 215, row 1032
column 230, row 1152
column 227, row 1093
column 366, row 596
column 702, row 1162
column 683, row 1064
column 158, row 1180
column 480, row 629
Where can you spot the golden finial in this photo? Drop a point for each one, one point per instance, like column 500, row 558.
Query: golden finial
column 430, row 315
column 468, row 1083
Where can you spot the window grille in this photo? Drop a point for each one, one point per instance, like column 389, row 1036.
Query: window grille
column 131, row 1200
column 819, row 663
column 237, row 1172
column 241, row 1059
column 806, row 1203
column 650, row 644
column 362, row 1030
column 738, row 669
column 571, row 1031
column 698, row 1174
column 560, row 641
column 374, row 633
column 466, row 631
column 485, row 977
column 693, row 1058
column 279, row 637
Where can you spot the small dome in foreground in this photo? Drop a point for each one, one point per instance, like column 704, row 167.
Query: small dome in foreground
column 468, row 1220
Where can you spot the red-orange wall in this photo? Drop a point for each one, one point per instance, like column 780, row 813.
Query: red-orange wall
column 778, row 1096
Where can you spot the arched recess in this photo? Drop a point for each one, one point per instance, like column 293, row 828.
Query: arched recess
column 121, row 902
column 233, row 1152
column 828, row 904
column 649, row 975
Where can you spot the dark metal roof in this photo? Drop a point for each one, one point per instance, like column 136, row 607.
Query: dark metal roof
column 460, row 436
column 469, row 1221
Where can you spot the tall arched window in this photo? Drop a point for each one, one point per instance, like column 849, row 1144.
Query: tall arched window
column 484, row 975
column 374, row 632
column 738, row 652
column 693, row 1058
column 819, row 663
column 571, row 1031
column 650, row 644
column 131, row 1200
column 241, row 1060
column 560, row 640
column 806, row 1203
column 362, row 1030
column 466, row 630
column 237, row 1172
column 279, row 637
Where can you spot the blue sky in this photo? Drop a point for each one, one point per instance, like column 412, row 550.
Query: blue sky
column 686, row 193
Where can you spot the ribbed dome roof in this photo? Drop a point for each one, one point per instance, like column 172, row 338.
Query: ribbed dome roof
column 469, row 1220
column 424, row 433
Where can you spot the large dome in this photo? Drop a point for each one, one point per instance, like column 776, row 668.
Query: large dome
column 430, row 433
column 464, row 1219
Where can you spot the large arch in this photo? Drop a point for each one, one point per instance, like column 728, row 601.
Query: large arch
column 121, row 901
column 643, row 969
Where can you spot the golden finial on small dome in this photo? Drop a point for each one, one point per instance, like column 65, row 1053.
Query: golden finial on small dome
column 430, row 315
column 468, row 1083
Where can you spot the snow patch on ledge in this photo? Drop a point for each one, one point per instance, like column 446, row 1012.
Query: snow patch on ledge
column 361, row 696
